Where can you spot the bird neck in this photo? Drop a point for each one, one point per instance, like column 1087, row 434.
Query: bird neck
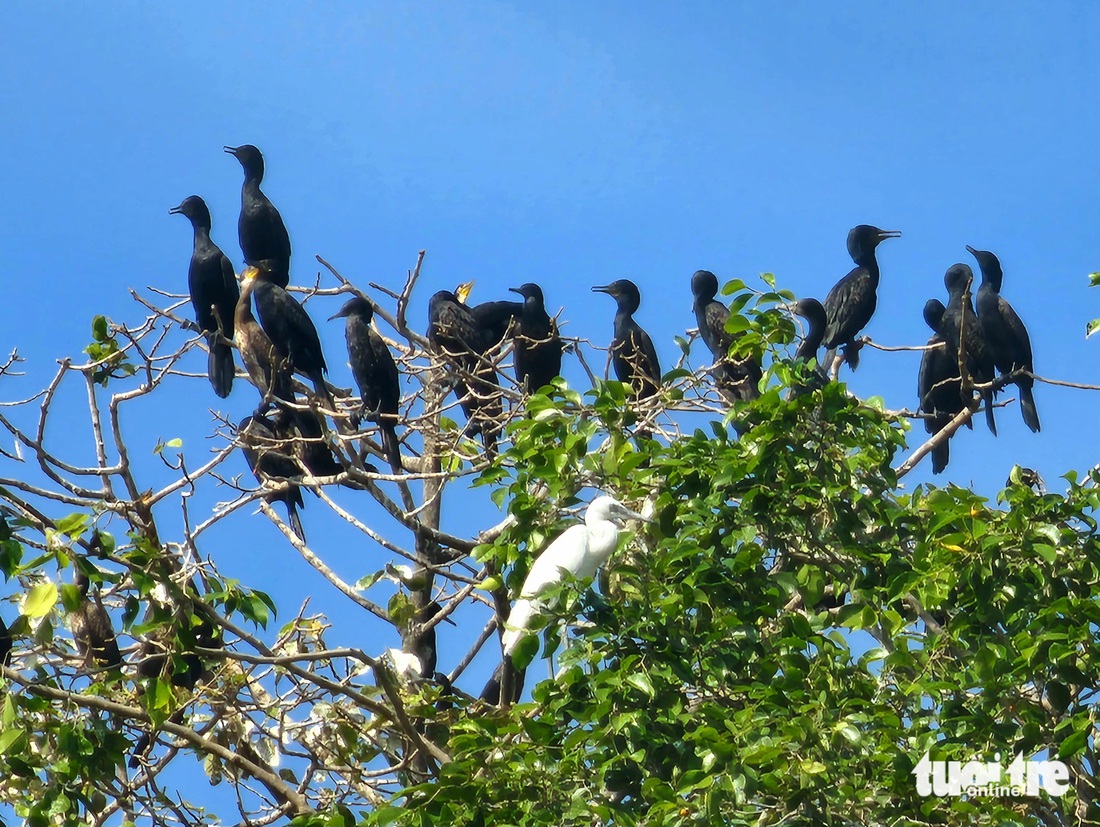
column 991, row 282
column 252, row 185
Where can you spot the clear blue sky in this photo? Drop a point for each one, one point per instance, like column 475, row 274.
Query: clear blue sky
column 569, row 144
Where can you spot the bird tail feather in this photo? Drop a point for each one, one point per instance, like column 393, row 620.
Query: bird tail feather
column 220, row 368
column 295, row 521
column 391, row 446
column 1027, row 409
column 989, row 418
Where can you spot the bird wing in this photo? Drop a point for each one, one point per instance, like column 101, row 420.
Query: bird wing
column 714, row 329
column 568, row 552
column 848, row 307
column 648, row 363
column 1019, row 345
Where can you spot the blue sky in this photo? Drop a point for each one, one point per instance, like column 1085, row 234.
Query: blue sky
column 569, row 144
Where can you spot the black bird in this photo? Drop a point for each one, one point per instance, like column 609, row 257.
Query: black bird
column 454, row 334
column 738, row 379
column 267, row 365
column 304, row 431
column 265, row 449
column 960, row 324
column 289, row 327
column 939, row 385
column 214, row 292
column 1005, row 333
column 92, row 629
column 491, row 692
column 375, row 373
column 538, row 346
column 494, row 319
column 632, row 352
column 852, row 301
column 6, row 643
column 423, row 640
column 814, row 313
column 262, row 233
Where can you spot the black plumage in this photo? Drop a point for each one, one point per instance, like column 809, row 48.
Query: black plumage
column 267, row 364
column 814, row 313
column 852, row 301
column 6, row 643
column 494, row 319
column 939, row 385
column 538, row 347
column 263, row 235
column 214, row 292
column 265, row 449
column 632, row 353
column 375, row 374
column 422, row 638
column 290, row 328
column 92, row 628
column 960, row 326
column 1005, row 333
column 454, row 334
column 737, row 378
column 491, row 691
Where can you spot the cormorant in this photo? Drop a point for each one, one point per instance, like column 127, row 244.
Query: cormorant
column 267, row 364
column 454, row 334
column 6, row 643
column 491, row 692
column 632, row 352
column 814, row 313
column 375, row 373
column 851, row 303
column 939, row 385
column 538, row 346
column 92, row 629
column 289, row 327
column 304, row 431
column 737, row 378
column 424, row 644
column 961, row 323
column 265, row 450
column 1005, row 333
column 260, row 227
column 214, row 292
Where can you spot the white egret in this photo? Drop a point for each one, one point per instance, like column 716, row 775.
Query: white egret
column 578, row 551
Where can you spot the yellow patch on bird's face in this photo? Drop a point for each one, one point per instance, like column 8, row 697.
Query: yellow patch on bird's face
column 250, row 272
column 462, row 292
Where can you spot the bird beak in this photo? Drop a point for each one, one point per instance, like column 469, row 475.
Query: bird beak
column 462, row 292
column 889, row 234
column 634, row 515
column 514, row 290
column 232, row 150
column 250, row 272
column 339, row 314
column 179, row 209
column 971, row 250
column 604, row 289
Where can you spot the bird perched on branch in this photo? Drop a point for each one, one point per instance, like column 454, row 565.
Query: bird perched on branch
column 267, row 364
column 263, row 235
column 375, row 373
column 494, row 319
column 852, row 301
column 632, row 353
column 264, row 445
column 91, row 626
column 961, row 330
column 214, row 292
column 737, row 378
column 575, row 553
column 939, row 385
column 454, row 334
column 538, row 346
column 289, row 327
column 1005, row 333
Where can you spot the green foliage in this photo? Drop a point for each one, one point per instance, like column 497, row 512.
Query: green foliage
column 105, row 350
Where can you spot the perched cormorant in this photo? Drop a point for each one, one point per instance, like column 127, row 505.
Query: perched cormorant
column 632, row 352
column 260, row 227
column 375, row 373
column 538, row 346
column 851, row 303
column 814, row 313
column 214, row 292
column 289, row 327
column 265, row 450
column 737, row 378
column 454, row 334
column 1005, row 333
column 961, row 323
column 267, row 364
column 424, row 644
column 92, row 629
column 6, row 643
column 939, row 385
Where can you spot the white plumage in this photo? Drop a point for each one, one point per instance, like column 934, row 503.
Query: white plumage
column 579, row 550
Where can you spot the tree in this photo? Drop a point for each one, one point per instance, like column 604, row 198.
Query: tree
column 784, row 644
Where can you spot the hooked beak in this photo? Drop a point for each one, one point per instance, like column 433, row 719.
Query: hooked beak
column 249, row 273
column 889, row 234
column 514, row 290
column 339, row 314
column 462, row 292
column 971, row 250
column 175, row 210
column 232, row 150
column 607, row 288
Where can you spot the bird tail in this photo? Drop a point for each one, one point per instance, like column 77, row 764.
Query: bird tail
column 321, row 386
column 295, row 521
column 987, row 398
column 941, row 455
column 1027, row 409
column 391, row 446
column 851, row 354
column 219, row 368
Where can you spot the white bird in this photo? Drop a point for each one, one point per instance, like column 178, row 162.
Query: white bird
column 579, row 551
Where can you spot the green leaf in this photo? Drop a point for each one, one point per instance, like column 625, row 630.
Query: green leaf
column 41, row 600
column 1092, row 327
column 99, row 329
column 642, row 683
